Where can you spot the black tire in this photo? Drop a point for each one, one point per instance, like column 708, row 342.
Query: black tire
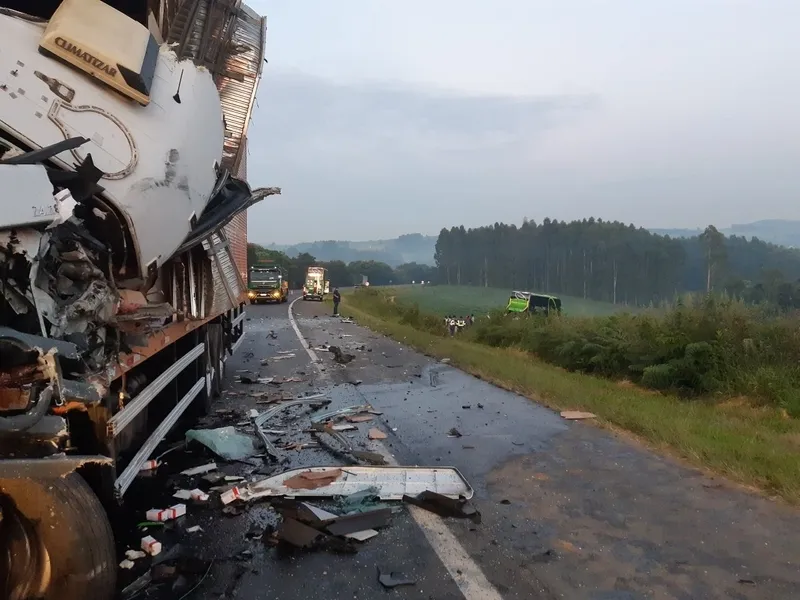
column 69, row 533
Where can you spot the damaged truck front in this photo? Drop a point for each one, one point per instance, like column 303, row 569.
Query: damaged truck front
column 122, row 189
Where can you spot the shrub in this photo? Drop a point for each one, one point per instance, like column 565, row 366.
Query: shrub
column 701, row 346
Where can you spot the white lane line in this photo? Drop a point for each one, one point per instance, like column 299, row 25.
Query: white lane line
column 311, row 354
column 466, row 573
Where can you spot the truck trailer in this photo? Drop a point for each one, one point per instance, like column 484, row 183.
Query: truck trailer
column 317, row 284
column 123, row 127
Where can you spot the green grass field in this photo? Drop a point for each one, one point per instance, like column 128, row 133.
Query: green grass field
column 463, row 300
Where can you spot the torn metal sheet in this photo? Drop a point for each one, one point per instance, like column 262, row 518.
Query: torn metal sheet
column 362, row 536
column 371, row 519
column 390, row 483
column 268, row 414
column 200, row 470
column 298, row 534
column 341, row 412
column 393, row 579
column 444, row 506
column 576, row 415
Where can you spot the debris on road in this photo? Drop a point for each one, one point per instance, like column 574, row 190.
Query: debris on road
column 166, row 514
column 444, row 506
column 392, row 579
column 298, row 534
column 344, row 427
column 454, row 433
column 377, row 434
column 340, row 357
column 151, row 545
column 225, row 442
column 360, row 418
column 194, row 529
column 197, row 495
column 150, row 465
column 389, row 482
column 200, row 470
column 261, row 420
column 574, row 415
column 309, row 480
column 232, row 494
column 134, row 554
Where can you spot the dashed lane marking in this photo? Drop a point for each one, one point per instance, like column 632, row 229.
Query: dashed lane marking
column 466, row 573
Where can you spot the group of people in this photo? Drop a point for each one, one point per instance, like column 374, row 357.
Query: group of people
column 456, row 324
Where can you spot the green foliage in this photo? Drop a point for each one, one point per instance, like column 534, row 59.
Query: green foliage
column 704, row 346
column 341, row 274
column 607, row 261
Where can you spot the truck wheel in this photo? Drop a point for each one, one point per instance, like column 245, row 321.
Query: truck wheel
column 56, row 541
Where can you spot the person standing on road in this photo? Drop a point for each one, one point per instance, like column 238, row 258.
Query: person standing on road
column 337, row 297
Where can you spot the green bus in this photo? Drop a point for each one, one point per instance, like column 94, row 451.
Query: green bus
column 528, row 302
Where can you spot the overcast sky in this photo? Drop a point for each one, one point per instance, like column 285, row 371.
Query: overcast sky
column 379, row 118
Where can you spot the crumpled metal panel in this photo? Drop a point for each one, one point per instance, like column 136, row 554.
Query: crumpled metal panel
column 238, row 83
column 228, row 37
column 228, row 283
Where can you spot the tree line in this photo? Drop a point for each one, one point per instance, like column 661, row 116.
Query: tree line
column 615, row 262
column 340, row 273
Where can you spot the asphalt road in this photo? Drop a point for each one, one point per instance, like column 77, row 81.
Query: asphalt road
column 569, row 511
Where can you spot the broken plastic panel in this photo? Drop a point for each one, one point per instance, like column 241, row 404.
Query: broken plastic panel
column 390, row 483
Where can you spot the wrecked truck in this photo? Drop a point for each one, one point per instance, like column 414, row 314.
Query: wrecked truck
column 123, row 127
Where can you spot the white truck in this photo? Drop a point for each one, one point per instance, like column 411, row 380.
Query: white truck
column 122, row 167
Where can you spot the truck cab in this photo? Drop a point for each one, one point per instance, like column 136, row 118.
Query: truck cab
column 267, row 284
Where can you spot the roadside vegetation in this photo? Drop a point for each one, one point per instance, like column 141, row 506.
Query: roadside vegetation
column 463, row 300
column 716, row 381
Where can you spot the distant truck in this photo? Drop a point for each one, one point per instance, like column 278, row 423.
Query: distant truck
column 317, row 284
column 267, row 284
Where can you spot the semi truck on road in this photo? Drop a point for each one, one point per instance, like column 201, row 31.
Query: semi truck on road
column 123, row 127
column 268, row 284
column 317, row 284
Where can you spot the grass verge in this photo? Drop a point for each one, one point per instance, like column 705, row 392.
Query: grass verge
column 755, row 446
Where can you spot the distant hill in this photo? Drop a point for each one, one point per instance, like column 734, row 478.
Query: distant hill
column 412, row 247
column 777, row 231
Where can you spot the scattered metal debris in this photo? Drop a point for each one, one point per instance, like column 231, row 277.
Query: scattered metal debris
column 200, row 470
column 377, row 434
column 444, row 506
column 340, row 357
column 390, row 482
column 573, row 415
column 392, row 579
column 261, row 420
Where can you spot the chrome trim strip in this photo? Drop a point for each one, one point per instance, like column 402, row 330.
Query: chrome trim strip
column 126, row 416
column 126, row 478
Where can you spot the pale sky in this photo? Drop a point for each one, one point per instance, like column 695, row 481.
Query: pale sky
column 379, row 118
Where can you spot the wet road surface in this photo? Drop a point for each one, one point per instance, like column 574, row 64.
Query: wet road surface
column 569, row 511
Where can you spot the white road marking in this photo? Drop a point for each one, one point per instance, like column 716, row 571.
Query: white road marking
column 311, row 354
column 466, row 573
